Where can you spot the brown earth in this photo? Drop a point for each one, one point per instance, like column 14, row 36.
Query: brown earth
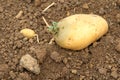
column 99, row 61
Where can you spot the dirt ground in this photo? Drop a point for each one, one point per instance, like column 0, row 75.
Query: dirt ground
column 99, row 61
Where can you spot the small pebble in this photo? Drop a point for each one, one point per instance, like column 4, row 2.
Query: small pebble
column 62, row 1
column 12, row 74
column 18, row 44
column 101, row 11
column 102, row 71
column 65, row 60
column 30, row 64
column 19, row 14
column 31, row 40
column 114, row 74
column 82, row 77
column 118, row 18
column 74, row 71
column 70, row 53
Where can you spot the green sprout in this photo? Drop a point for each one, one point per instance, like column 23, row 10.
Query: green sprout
column 53, row 28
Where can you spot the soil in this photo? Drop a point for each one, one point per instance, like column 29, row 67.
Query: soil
column 99, row 61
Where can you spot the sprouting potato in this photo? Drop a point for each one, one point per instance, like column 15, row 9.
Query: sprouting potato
column 79, row 31
column 29, row 33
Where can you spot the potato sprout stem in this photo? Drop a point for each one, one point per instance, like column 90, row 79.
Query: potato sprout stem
column 48, row 7
column 37, row 38
column 45, row 21
column 51, row 41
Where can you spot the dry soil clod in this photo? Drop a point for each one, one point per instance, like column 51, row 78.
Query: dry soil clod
column 29, row 63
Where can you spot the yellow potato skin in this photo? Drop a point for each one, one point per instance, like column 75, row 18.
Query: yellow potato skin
column 29, row 33
column 80, row 30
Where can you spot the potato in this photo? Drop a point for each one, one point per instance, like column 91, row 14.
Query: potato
column 29, row 33
column 80, row 30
